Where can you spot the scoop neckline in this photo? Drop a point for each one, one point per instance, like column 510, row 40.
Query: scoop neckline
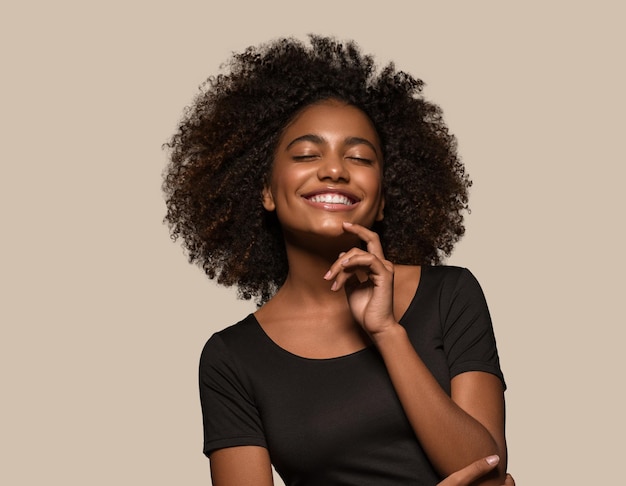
column 371, row 346
column 282, row 350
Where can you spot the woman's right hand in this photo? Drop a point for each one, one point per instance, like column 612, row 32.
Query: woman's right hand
column 471, row 473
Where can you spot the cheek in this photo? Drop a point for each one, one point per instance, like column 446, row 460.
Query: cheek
column 286, row 182
column 281, row 186
column 372, row 183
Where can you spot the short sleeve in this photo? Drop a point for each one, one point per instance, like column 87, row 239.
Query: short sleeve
column 469, row 340
column 229, row 415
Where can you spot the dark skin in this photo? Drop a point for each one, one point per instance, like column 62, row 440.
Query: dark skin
column 325, row 187
column 226, row 469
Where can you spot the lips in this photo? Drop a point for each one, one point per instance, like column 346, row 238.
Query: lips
column 332, row 198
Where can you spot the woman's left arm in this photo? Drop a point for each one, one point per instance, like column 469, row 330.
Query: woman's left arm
column 454, row 430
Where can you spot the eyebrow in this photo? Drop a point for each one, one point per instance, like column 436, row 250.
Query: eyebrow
column 350, row 141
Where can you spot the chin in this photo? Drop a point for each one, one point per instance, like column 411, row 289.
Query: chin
column 332, row 228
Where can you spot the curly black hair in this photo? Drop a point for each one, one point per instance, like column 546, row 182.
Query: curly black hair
column 222, row 154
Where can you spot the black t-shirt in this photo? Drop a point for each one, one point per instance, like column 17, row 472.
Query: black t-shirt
column 338, row 421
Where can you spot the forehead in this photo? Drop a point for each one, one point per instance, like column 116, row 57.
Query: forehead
column 331, row 118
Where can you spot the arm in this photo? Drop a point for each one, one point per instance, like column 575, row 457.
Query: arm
column 233, row 434
column 454, row 430
column 241, row 466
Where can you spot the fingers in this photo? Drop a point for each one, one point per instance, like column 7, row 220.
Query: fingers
column 357, row 262
column 509, row 481
column 371, row 238
column 353, row 264
column 470, row 473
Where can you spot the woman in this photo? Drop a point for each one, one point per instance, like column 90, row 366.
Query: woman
column 300, row 176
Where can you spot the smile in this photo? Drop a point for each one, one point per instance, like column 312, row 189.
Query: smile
column 332, row 198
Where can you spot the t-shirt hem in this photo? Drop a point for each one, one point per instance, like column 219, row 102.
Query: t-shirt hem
column 478, row 366
column 233, row 442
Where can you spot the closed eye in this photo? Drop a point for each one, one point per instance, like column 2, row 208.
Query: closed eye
column 304, row 158
column 361, row 160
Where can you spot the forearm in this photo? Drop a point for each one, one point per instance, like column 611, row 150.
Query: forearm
column 450, row 436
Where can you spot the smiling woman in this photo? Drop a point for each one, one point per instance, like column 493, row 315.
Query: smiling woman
column 330, row 191
column 224, row 150
column 327, row 169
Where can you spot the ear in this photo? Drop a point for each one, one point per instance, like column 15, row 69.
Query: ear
column 268, row 199
column 380, row 215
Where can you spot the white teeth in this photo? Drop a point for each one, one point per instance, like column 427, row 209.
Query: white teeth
column 331, row 199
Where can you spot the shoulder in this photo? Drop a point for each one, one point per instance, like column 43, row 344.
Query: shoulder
column 222, row 345
column 452, row 289
column 431, row 285
column 414, row 275
column 461, row 301
column 445, row 273
column 449, row 279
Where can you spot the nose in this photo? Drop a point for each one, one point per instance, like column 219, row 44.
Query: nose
column 333, row 167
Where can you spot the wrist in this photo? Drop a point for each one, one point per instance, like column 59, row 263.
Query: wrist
column 389, row 334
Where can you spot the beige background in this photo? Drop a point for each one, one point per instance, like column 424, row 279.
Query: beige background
column 102, row 318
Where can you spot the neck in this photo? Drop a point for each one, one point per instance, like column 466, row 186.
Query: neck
column 306, row 273
column 307, row 267
column 322, row 314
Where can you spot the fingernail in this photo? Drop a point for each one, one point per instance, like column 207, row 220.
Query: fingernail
column 492, row 460
column 327, row 276
column 345, row 261
column 345, row 223
column 334, row 286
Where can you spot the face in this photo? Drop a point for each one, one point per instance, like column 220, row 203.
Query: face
column 327, row 169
